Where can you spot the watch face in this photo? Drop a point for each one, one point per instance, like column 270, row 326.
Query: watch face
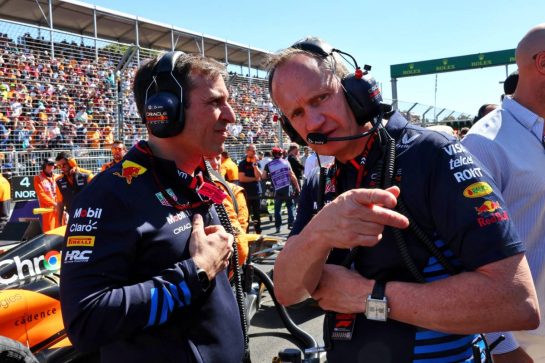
column 376, row 309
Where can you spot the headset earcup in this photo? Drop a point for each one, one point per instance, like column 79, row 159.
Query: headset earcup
column 164, row 115
column 290, row 131
column 363, row 96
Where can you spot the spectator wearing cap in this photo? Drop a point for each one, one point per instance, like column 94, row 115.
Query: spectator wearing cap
column 285, row 183
column 46, row 192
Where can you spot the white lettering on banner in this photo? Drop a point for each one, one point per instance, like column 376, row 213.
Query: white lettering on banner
column 468, row 174
column 77, row 256
column 83, row 227
column 180, row 229
column 88, row 213
column 459, row 161
column 24, row 194
column 32, row 268
column 453, row 149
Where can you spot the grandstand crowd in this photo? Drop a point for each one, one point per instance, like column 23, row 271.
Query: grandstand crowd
column 70, row 100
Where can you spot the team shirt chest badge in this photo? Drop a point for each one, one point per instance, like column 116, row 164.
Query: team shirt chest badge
column 130, row 171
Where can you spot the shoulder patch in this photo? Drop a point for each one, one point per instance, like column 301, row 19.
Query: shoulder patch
column 130, row 170
column 477, row 190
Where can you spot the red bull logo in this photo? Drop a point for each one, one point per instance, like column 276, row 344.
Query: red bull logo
column 488, row 207
column 130, row 171
column 490, row 212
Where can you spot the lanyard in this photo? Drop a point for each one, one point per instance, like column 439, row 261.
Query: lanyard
column 358, row 163
column 206, row 191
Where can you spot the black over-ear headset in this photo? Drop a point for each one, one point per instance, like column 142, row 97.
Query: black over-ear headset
column 163, row 105
column 361, row 90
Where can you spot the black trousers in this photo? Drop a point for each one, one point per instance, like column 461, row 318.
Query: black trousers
column 255, row 212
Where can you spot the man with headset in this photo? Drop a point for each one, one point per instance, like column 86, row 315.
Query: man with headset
column 143, row 271
column 72, row 181
column 420, row 293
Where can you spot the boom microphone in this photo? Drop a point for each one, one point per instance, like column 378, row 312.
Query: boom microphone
column 316, row 138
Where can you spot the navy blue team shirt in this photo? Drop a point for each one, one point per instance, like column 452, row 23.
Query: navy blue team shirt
column 454, row 200
column 128, row 284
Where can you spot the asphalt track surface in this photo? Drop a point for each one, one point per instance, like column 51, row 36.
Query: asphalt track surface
column 268, row 336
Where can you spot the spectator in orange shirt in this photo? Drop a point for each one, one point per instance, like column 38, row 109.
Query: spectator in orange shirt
column 118, row 152
column 46, row 191
column 236, row 208
column 93, row 136
column 228, row 169
column 107, row 137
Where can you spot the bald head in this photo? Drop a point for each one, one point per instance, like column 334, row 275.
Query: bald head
column 532, row 43
column 530, row 55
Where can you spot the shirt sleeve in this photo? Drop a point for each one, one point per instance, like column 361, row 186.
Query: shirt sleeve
column 468, row 209
column 46, row 201
column 102, row 300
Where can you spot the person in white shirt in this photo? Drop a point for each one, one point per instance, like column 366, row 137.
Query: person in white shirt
column 311, row 163
column 510, row 142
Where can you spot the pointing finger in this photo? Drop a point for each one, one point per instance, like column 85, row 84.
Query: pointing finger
column 367, row 197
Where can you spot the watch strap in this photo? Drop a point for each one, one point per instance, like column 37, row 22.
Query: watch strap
column 379, row 290
column 202, row 276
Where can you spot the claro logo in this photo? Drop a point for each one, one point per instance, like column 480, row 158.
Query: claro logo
column 51, row 261
column 180, row 229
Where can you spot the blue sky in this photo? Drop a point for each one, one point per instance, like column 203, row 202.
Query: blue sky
column 379, row 33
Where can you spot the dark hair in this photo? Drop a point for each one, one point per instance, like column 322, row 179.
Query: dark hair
column 483, row 112
column 510, row 84
column 293, row 147
column 187, row 67
column 63, row 155
column 119, row 142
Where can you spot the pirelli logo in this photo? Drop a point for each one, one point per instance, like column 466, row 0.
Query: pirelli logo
column 80, row 241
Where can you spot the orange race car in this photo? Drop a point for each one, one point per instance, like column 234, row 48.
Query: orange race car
column 31, row 323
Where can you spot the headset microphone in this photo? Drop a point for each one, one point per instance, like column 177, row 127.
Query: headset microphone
column 315, row 138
